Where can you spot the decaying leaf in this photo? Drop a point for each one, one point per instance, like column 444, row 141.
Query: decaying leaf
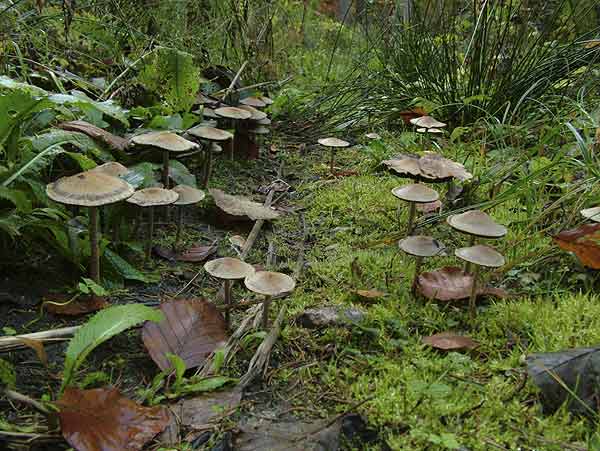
column 449, row 341
column 370, row 294
column 58, row 305
column 112, row 141
column 199, row 411
column 103, row 420
column 197, row 254
column 37, row 346
column 584, row 242
column 450, row 284
column 240, row 206
column 192, row 329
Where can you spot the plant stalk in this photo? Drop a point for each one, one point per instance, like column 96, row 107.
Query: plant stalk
column 331, row 160
column 179, row 227
column 150, row 233
column 468, row 266
column 473, row 297
column 227, row 298
column 412, row 213
column 418, row 265
column 95, row 251
column 265, row 316
column 166, row 169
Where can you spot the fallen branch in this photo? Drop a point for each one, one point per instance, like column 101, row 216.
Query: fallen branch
column 234, row 81
column 11, row 343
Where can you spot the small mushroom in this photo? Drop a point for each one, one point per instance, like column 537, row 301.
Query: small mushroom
column 266, row 100
column 240, row 118
column 212, row 135
column 187, row 196
column 255, row 102
column 228, row 269
column 479, row 256
column 269, row 284
column 333, row 143
column 241, row 207
column 433, row 131
column 111, row 168
column 591, row 213
column 373, row 136
column 90, row 189
column 152, row 197
column 427, row 122
column 420, row 247
column 414, row 194
column 166, row 142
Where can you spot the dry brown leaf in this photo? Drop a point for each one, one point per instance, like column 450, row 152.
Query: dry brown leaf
column 37, row 346
column 112, row 141
column 79, row 306
column 450, row 284
column 584, row 242
column 449, row 341
column 192, row 329
column 370, row 294
column 197, row 254
column 103, row 420
column 199, row 411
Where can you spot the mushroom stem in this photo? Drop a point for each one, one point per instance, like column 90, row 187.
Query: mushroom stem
column 418, row 264
column 331, row 159
column 412, row 213
column 265, row 316
column 166, row 169
column 207, row 166
column 473, row 297
column 468, row 266
column 150, row 232
column 95, row 252
column 179, row 227
column 227, row 299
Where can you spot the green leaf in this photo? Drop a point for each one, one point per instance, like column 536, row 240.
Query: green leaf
column 209, row 384
column 181, row 174
column 173, row 122
column 17, row 197
column 8, row 376
column 91, row 107
column 179, row 365
column 123, row 268
column 103, row 326
column 142, row 175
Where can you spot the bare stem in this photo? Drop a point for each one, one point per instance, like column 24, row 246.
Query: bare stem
column 418, row 264
column 227, row 296
column 166, row 169
column 95, row 252
column 265, row 316
column 179, row 227
column 331, row 160
column 473, row 298
column 468, row 266
column 412, row 213
column 150, row 233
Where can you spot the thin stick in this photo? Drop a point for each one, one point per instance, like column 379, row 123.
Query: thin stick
column 235, row 79
column 19, row 397
column 11, row 343
column 256, row 228
column 95, row 253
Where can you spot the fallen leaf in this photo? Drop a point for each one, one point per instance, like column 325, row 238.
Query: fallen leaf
column 57, row 305
column 192, row 329
column 113, row 141
column 584, row 242
column 370, row 294
column 448, row 341
column 197, row 254
column 37, row 346
column 412, row 114
column 450, row 284
column 199, row 411
column 103, row 420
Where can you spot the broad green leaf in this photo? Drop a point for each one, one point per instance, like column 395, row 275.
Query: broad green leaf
column 17, row 197
column 123, row 268
column 209, row 384
column 181, row 174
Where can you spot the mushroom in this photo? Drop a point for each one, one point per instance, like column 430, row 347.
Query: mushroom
column 430, row 167
column 427, row 122
column 269, row 284
column 414, row 194
column 373, row 136
column 266, row 100
column 152, row 197
column 111, row 168
column 212, row 135
column 228, row 269
column 591, row 213
column 333, row 143
column 255, row 102
column 90, row 189
column 239, row 118
column 187, row 196
column 241, row 207
column 477, row 224
column 420, row 246
column 479, row 255
column 165, row 142
column 253, row 148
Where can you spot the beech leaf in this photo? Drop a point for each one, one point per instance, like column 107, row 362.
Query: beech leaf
column 449, row 341
column 584, row 242
column 450, row 284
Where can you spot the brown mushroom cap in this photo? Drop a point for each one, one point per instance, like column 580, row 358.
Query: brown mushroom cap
column 269, row 283
column 188, row 195
column 89, row 189
column 478, row 223
column 265, row 121
column 255, row 102
column 164, row 141
column 210, row 133
column 427, row 122
column 333, row 142
column 266, row 100
column 228, row 268
column 151, row 197
column 430, row 167
column 111, row 168
column 231, row 112
column 591, row 213
column 260, row 131
column 421, row 246
column 418, row 193
column 256, row 115
column 481, row 255
column 240, row 206
column 202, row 99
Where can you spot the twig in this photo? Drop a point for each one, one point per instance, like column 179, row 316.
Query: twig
column 235, row 79
column 18, row 397
column 256, row 228
column 10, row 343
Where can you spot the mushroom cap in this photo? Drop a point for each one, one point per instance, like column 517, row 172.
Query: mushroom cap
column 256, row 115
column 269, row 283
column 255, row 102
column 481, row 255
column 430, row 167
column 150, row 197
column 478, row 223
column 111, row 168
column 209, row 112
column 231, row 112
column 260, row 130
column 427, row 122
column 265, row 121
column 421, row 246
column 240, row 206
column 430, row 130
column 214, row 147
column 210, row 133
column 202, row 99
column 591, row 213
column 373, row 136
column 333, row 142
column 188, row 195
column 418, row 193
column 89, row 189
column 228, row 268
column 266, row 100
column 164, row 141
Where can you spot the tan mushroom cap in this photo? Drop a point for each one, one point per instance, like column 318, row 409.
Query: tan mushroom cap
column 188, row 195
column 151, row 197
column 164, row 141
column 265, row 121
column 481, row 255
column 430, row 167
column 427, row 122
column 416, row 193
column 591, row 213
column 240, row 206
column 89, row 189
column 260, row 131
column 202, row 99
column 231, row 112
column 209, row 112
column 210, row 133
column 215, row 148
column 266, row 100
column 228, row 268
column 436, row 131
column 270, row 283
column 111, row 168
column 421, row 246
column 255, row 102
column 333, row 142
column 256, row 115
column 373, row 136
column 478, row 223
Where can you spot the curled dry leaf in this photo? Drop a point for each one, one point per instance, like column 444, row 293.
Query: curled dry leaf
column 449, row 341
column 59, row 305
column 103, row 420
column 450, row 284
column 96, row 133
column 584, row 242
column 192, row 329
